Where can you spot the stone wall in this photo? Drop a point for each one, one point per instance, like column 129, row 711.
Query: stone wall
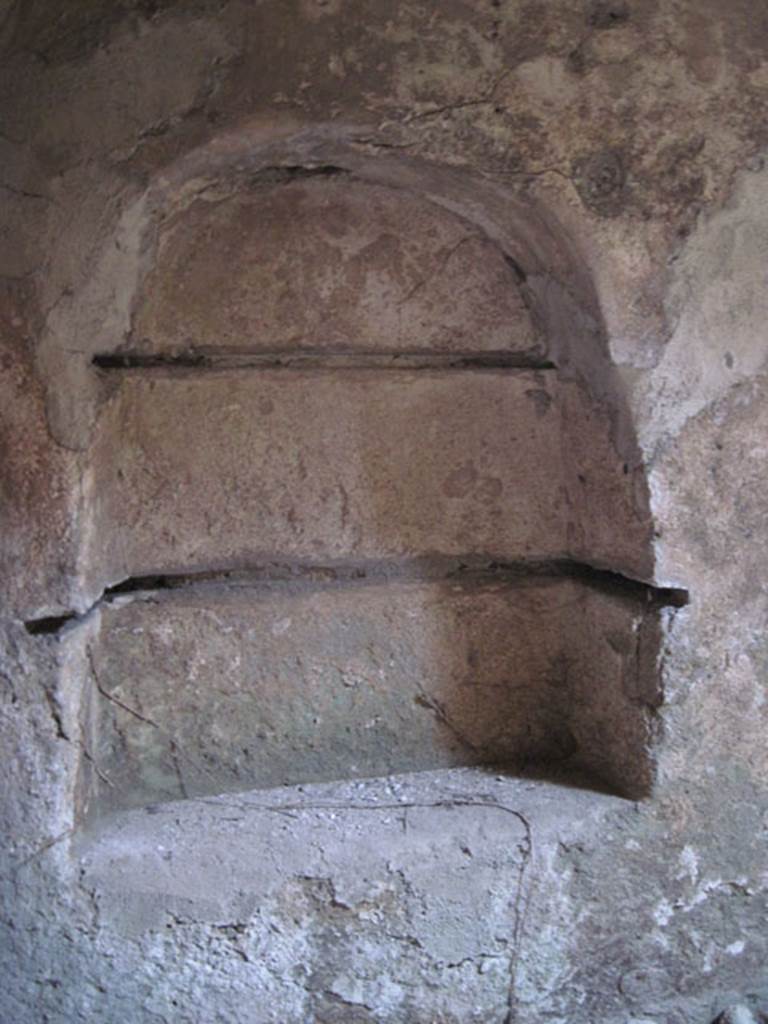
column 231, row 221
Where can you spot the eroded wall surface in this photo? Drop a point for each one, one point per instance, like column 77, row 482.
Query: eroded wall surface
column 637, row 128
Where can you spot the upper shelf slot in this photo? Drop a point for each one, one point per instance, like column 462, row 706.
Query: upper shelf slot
column 318, row 359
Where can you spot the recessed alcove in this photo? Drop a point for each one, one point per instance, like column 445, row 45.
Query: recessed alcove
column 352, row 512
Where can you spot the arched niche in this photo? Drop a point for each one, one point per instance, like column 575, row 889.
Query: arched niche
column 361, row 494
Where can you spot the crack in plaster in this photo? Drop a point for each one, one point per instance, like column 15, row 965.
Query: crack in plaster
column 487, row 98
column 174, row 746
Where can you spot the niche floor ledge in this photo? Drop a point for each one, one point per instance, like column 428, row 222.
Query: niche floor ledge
column 443, row 858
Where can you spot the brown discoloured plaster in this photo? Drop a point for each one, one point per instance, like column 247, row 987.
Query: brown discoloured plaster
column 38, row 479
column 328, row 263
column 351, row 464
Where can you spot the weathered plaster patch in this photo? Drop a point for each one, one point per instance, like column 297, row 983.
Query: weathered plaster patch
column 718, row 303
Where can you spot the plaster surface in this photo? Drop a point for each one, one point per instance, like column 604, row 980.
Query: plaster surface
column 620, row 144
